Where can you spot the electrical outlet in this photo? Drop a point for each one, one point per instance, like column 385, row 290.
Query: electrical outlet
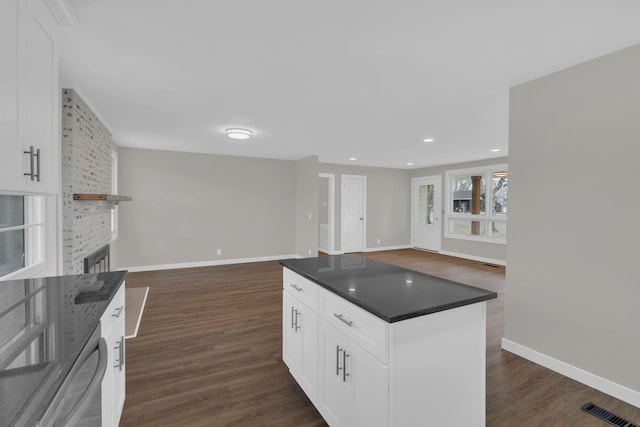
column 309, row 215
column 219, row 251
column 309, row 249
column 378, row 240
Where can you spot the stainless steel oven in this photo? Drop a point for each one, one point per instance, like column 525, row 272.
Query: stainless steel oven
column 77, row 403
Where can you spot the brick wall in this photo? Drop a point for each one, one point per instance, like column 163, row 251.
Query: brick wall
column 86, row 168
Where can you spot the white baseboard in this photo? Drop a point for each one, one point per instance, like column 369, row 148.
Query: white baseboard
column 386, row 248
column 604, row 385
column 474, row 258
column 205, row 263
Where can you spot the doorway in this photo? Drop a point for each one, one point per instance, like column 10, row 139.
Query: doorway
column 426, row 199
column 353, row 221
column 326, row 186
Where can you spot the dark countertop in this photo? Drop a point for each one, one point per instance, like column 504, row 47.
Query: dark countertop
column 390, row 292
column 62, row 313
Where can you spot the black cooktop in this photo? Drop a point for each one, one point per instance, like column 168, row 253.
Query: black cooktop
column 390, row 292
column 44, row 324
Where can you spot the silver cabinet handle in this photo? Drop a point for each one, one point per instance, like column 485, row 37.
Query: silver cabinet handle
column 346, row 322
column 338, row 368
column 297, row 288
column 120, row 348
column 344, row 366
column 31, row 172
column 37, row 165
column 294, row 319
column 119, row 310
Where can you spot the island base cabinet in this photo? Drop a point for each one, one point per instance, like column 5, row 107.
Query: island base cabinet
column 437, row 369
column 300, row 343
column 353, row 388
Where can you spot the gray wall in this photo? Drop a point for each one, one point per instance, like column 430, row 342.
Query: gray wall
column 86, row 168
column 388, row 204
column 492, row 251
column 572, row 280
column 185, row 206
column 307, row 206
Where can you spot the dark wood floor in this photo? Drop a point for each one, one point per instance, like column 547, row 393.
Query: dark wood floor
column 208, row 353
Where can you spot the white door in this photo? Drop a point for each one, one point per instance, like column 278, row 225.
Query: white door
column 426, row 228
column 354, row 189
column 325, row 214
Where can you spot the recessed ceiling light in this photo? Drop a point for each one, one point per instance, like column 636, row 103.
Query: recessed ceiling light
column 238, row 133
column 429, row 140
column 409, row 164
column 495, row 150
column 353, row 158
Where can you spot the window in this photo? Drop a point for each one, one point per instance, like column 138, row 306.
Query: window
column 21, row 235
column 477, row 203
column 114, row 190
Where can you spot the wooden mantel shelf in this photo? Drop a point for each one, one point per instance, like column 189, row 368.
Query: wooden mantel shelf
column 106, row 197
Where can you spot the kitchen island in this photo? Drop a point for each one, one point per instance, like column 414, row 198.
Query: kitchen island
column 372, row 344
column 45, row 324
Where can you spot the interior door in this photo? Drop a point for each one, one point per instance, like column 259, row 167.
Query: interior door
column 426, row 227
column 353, row 212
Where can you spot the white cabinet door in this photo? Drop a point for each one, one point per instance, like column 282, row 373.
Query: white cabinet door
column 113, row 384
column 118, row 367
column 335, row 392
column 10, row 150
column 29, row 97
column 371, row 390
column 354, row 387
column 300, row 344
column 39, row 97
column 291, row 341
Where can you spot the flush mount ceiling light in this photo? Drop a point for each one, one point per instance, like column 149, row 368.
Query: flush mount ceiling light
column 238, row 133
column 409, row 164
column 501, row 174
column 429, row 140
column 495, row 150
column 353, row 159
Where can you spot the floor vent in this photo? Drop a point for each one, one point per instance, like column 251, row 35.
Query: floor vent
column 606, row 416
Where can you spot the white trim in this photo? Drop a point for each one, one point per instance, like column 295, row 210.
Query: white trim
column 64, row 12
column 331, row 209
column 364, row 209
column 473, row 257
column 144, row 301
column 386, row 248
column 590, row 379
column 135, row 269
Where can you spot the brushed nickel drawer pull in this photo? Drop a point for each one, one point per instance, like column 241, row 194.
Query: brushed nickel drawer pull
column 297, row 288
column 347, row 322
column 119, row 311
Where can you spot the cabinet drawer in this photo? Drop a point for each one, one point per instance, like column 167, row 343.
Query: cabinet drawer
column 114, row 312
column 303, row 289
column 362, row 327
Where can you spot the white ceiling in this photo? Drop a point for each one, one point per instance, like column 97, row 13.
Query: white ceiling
column 370, row 79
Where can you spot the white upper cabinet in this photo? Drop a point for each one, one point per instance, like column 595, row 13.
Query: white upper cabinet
column 29, row 98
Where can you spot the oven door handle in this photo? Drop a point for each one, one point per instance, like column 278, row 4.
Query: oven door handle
column 96, row 382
